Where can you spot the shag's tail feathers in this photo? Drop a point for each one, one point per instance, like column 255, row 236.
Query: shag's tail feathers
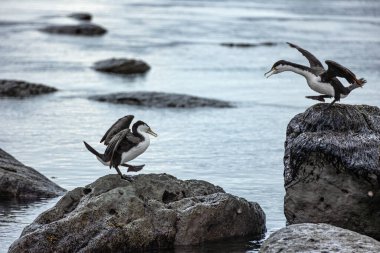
column 92, row 150
column 361, row 81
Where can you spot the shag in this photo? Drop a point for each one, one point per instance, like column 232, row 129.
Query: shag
column 320, row 80
column 124, row 145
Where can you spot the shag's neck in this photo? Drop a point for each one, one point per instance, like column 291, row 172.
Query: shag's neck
column 142, row 135
column 298, row 69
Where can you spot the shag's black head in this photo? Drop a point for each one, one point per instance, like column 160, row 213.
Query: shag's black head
column 137, row 124
column 285, row 63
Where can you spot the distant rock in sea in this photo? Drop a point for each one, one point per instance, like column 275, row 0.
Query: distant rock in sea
column 122, row 66
column 82, row 29
column 332, row 167
column 307, row 237
column 161, row 100
column 154, row 211
column 246, row 45
column 22, row 89
column 82, row 16
column 20, row 181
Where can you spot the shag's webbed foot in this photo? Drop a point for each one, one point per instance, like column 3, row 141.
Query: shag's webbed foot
column 330, row 105
column 123, row 176
column 133, row 168
column 319, row 98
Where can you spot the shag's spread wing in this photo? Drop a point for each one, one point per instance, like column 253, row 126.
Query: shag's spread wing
column 337, row 70
column 120, row 124
column 121, row 142
column 314, row 62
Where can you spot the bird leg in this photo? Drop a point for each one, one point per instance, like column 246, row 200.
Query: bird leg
column 133, row 168
column 121, row 175
column 331, row 104
column 319, row 98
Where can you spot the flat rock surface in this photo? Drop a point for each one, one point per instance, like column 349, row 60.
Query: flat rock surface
column 82, row 29
column 161, row 100
column 21, row 89
column 20, row 181
column 122, row 66
column 153, row 211
column 318, row 238
column 332, row 172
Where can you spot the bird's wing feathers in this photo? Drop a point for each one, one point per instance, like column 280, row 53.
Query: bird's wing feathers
column 314, row 62
column 121, row 142
column 120, row 124
column 337, row 70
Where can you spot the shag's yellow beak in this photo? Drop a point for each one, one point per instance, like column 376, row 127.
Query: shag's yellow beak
column 150, row 131
column 270, row 72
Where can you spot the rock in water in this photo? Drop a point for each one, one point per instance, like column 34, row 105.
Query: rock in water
column 332, row 171
column 151, row 212
column 122, row 66
column 82, row 16
column 161, row 100
column 20, row 181
column 308, row 238
column 21, row 89
column 83, row 29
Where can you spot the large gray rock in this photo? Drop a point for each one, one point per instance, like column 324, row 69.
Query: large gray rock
column 122, row 66
column 318, row 238
column 153, row 211
column 82, row 29
column 20, row 181
column 332, row 172
column 21, row 89
column 161, row 100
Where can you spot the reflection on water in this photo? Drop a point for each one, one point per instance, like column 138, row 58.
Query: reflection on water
column 240, row 149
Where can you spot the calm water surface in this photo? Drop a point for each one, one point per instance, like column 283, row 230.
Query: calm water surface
column 240, row 149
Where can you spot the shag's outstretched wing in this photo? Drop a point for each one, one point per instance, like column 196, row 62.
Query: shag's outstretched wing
column 337, row 70
column 120, row 142
column 120, row 124
column 314, row 62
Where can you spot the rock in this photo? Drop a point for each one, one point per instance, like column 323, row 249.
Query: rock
column 122, row 66
column 20, row 181
column 21, row 89
column 160, row 100
column 154, row 211
column 82, row 16
column 82, row 29
column 243, row 45
column 310, row 238
column 332, row 172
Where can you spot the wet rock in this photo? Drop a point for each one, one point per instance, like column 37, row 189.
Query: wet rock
column 20, row 181
column 122, row 66
column 151, row 212
column 82, row 16
column 21, row 89
column 82, row 29
column 332, row 172
column 309, row 237
column 245, row 45
column 161, row 100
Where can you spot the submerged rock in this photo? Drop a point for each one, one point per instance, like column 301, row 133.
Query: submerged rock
column 82, row 29
column 82, row 16
column 307, row 237
column 20, row 181
column 161, row 100
column 153, row 211
column 243, row 45
column 332, row 171
column 122, row 66
column 21, row 89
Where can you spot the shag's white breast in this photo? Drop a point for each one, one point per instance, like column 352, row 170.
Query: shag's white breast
column 315, row 84
column 135, row 151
